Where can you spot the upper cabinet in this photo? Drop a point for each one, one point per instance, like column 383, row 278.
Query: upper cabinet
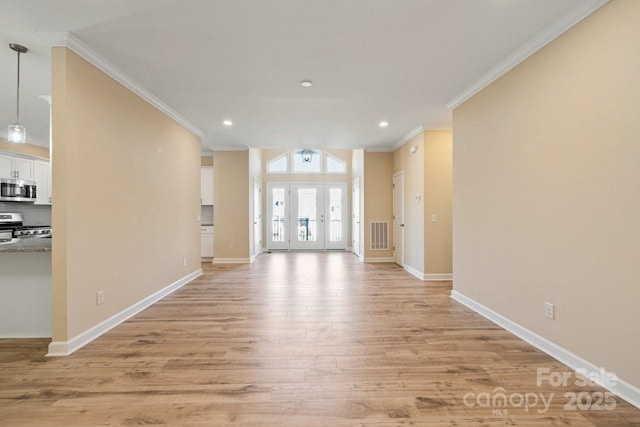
column 16, row 167
column 206, row 185
column 43, row 182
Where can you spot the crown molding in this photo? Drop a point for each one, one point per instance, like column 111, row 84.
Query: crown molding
column 72, row 42
column 408, row 137
column 559, row 26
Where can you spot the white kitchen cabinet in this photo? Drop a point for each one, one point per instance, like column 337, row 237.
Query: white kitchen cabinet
column 6, row 166
column 42, row 177
column 16, row 167
column 206, row 241
column 206, row 185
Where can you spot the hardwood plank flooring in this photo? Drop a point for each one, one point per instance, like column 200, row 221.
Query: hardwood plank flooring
column 296, row 339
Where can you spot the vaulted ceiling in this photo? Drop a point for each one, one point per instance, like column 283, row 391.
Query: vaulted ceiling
column 399, row 61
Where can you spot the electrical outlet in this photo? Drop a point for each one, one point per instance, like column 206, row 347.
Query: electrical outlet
column 99, row 297
column 184, row 262
column 549, row 310
column 434, row 218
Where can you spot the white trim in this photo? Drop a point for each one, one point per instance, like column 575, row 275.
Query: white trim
column 378, row 259
column 253, row 257
column 622, row 389
column 408, row 137
column 443, row 277
column 65, row 348
column 414, row 271
column 70, row 41
column 559, row 26
column 231, row 260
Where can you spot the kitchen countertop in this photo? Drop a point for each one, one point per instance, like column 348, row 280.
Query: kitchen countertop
column 26, row 245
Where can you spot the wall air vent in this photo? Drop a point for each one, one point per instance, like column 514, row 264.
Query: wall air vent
column 379, row 236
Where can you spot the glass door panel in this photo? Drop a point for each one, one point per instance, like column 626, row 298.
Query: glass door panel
column 307, row 228
column 336, row 232
column 278, row 214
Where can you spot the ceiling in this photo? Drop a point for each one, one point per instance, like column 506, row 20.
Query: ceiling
column 400, row 61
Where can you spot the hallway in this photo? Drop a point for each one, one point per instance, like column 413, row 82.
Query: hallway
column 292, row 339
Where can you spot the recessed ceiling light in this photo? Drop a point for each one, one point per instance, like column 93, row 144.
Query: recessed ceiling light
column 383, row 124
column 306, row 83
column 227, row 123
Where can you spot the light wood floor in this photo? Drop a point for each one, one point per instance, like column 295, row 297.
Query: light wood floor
column 307, row 339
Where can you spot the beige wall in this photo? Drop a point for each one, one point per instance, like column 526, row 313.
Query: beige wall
column 438, row 177
column 546, row 191
column 427, row 191
column 378, row 200
column 231, row 205
column 206, row 161
column 125, row 185
column 413, row 167
column 26, row 149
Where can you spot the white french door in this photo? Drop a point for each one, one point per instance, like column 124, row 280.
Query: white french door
column 355, row 220
column 277, row 216
column 336, row 225
column 306, row 216
column 257, row 217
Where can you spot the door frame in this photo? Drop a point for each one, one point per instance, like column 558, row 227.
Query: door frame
column 355, row 221
column 399, row 235
column 289, row 200
column 257, row 217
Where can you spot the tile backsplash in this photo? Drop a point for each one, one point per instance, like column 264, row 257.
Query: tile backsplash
column 32, row 214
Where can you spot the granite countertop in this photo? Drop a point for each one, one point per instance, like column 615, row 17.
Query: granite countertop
column 26, row 245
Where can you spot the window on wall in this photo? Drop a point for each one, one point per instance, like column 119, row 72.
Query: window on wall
column 335, row 165
column 279, row 164
column 306, row 163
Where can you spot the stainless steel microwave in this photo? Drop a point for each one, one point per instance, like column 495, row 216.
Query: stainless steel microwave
column 17, row 190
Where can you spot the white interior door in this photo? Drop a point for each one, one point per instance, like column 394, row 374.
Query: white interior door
column 335, row 198
column 257, row 217
column 277, row 216
column 307, row 217
column 355, row 217
column 398, row 218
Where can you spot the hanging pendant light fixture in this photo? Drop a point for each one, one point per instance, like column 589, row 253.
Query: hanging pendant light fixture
column 307, row 155
column 17, row 133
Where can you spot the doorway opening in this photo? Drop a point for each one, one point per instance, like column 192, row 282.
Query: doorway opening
column 306, row 216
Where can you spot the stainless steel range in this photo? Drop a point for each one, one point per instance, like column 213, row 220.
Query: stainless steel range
column 12, row 227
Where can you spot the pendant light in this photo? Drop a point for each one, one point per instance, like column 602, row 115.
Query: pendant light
column 17, row 133
column 307, row 155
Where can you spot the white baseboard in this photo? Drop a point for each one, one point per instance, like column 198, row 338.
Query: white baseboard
column 231, row 260
column 378, row 259
column 443, row 277
column 253, row 257
column 413, row 271
column 622, row 389
column 65, row 348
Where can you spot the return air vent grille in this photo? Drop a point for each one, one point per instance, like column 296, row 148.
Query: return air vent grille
column 379, row 235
